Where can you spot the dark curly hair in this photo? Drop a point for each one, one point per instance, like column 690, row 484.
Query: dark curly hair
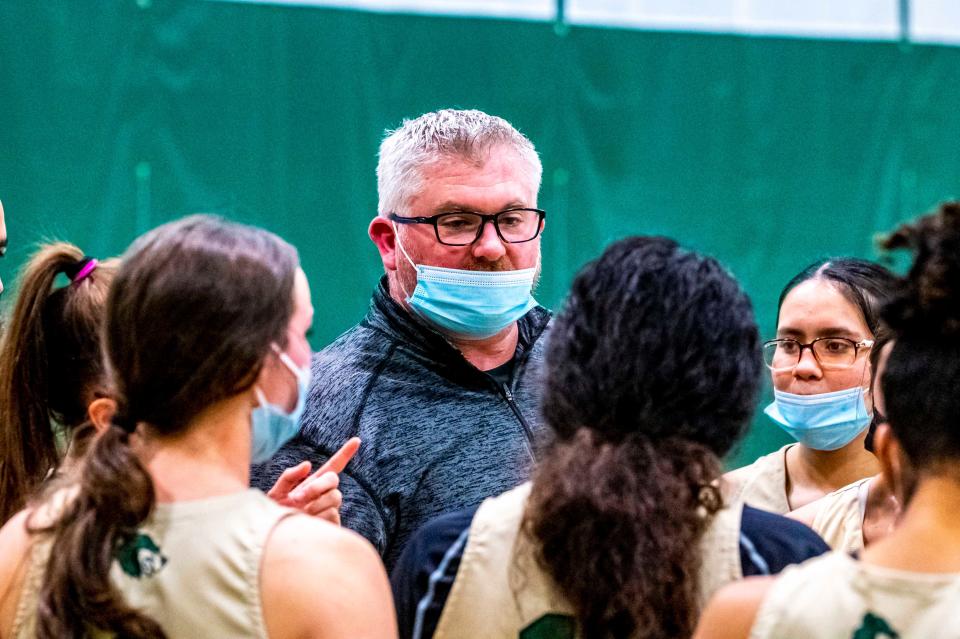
column 652, row 374
column 922, row 375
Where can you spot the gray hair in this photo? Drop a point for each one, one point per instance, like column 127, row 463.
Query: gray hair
column 464, row 134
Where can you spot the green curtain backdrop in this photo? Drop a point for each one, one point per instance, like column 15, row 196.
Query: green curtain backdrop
column 765, row 152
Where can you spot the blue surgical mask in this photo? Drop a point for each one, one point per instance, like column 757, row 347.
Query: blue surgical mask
column 272, row 426
column 825, row 421
column 470, row 304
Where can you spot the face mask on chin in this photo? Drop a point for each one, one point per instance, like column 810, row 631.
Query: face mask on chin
column 469, row 305
column 823, row 421
column 271, row 425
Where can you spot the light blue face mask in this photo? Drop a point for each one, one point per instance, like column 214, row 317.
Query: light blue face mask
column 272, row 426
column 825, row 421
column 470, row 305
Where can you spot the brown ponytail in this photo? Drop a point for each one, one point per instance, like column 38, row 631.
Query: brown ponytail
column 50, row 366
column 115, row 495
column 652, row 373
column 189, row 320
column 618, row 527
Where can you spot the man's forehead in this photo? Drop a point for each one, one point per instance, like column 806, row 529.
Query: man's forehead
column 500, row 168
column 478, row 160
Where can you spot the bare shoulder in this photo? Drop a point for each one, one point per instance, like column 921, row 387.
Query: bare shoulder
column 733, row 610
column 329, row 545
column 320, row 580
column 15, row 532
column 14, row 559
column 14, row 548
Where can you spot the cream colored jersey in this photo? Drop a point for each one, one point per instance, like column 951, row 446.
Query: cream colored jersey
column 763, row 484
column 838, row 597
column 194, row 567
column 500, row 592
column 839, row 521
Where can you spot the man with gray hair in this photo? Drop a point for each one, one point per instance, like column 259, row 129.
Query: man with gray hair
column 439, row 380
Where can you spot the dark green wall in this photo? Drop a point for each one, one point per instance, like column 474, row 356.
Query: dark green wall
column 764, row 152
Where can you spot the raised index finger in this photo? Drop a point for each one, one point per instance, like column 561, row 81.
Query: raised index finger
column 288, row 480
column 340, row 459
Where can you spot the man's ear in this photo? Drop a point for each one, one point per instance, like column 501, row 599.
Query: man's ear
column 101, row 411
column 384, row 236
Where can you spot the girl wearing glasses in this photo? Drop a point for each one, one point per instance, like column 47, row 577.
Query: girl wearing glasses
column 827, row 323
column 908, row 584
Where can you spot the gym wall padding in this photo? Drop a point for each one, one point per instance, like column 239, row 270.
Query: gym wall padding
column 765, row 152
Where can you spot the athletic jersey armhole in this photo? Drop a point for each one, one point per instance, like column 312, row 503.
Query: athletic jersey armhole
column 424, row 574
column 770, row 542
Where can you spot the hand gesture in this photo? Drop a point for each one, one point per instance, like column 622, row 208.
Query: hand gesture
column 315, row 494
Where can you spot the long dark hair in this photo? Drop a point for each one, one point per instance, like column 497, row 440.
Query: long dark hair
column 652, row 374
column 865, row 284
column 50, row 366
column 922, row 375
column 189, row 319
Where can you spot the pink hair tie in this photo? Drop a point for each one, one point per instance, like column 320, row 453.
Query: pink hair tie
column 87, row 269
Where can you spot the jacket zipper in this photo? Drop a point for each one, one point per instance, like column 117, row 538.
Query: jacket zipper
column 508, row 396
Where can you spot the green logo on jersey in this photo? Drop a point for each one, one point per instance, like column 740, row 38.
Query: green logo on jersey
column 140, row 557
column 874, row 627
column 550, row 626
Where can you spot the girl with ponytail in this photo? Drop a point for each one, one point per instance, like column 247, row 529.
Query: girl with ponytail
column 652, row 373
column 908, row 583
column 160, row 536
column 52, row 382
column 54, row 393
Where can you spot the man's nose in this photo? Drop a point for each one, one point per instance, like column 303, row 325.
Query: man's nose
column 489, row 246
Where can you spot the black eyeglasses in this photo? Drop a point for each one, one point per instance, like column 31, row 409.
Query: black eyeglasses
column 461, row 228
column 830, row 352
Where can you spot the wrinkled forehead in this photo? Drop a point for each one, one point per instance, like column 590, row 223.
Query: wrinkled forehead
column 479, row 156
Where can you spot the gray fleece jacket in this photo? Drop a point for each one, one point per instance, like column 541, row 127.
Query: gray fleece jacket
column 438, row 434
